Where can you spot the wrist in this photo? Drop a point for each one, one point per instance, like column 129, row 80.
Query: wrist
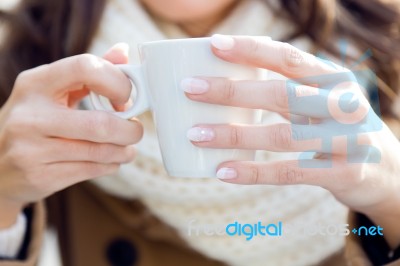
column 10, row 212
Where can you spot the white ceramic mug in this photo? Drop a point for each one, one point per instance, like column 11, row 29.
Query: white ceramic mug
column 164, row 64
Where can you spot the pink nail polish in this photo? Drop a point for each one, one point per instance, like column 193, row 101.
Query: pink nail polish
column 222, row 42
column 226, row 173
column 194, row 86
column 199, row 134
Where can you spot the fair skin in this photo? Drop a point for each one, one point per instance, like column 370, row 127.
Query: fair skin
column 39, row 119
column 195, row 17
column 48, row 145
column 370, row 188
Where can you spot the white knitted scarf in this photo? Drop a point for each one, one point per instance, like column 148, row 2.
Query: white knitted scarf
column 196, row 208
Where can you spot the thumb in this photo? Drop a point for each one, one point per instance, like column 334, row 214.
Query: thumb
column 118, row 54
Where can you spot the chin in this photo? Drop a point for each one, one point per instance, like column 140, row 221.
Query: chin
column 186, row 10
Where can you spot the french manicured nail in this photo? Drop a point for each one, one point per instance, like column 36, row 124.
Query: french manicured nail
column 226, row 173
column 222, row 42
column 194, row 86
column 123, row 107
column 199, row 134
column 122, row 46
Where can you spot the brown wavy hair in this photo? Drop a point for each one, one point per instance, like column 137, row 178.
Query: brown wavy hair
column 43, row 31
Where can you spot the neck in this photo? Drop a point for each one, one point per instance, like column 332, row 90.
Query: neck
column 200, row 27
column 203, row 27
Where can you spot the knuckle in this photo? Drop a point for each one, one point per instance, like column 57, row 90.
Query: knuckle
column 288, row 174
column 23, row 80
column 31, row 77
column 282, row 137
column 236, row 136
column 292, row 57
column 280, row 95
column 229, row 90
column 253, row 47
column 84, row 64
column 256, row 173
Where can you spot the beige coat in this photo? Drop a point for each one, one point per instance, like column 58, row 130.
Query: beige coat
column 95, row 228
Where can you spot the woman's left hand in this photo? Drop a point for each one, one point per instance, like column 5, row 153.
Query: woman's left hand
column 356, row 159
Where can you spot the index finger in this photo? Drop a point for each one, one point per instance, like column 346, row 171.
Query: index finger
column 277, row 56
column 75, row 73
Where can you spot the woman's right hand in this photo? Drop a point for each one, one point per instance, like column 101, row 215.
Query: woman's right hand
column 47, row 145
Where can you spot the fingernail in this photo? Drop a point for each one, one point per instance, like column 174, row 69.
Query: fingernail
column 199, row 134
column 194, row 86
column 123, row 107
column 222, row 42
column 226, row 173
column 122, row 46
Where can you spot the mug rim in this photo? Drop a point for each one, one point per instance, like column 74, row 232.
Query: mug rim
column 169, row 41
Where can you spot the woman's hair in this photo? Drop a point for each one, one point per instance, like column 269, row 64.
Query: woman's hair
column 39, row 32
column 367, row 24
column 43, row 31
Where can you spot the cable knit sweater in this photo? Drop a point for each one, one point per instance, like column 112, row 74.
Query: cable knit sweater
column 193, row 206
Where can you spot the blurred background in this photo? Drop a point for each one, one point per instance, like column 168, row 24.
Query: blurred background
column 50, row 253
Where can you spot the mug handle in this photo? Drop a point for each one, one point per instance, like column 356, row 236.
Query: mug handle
column 141, row 102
